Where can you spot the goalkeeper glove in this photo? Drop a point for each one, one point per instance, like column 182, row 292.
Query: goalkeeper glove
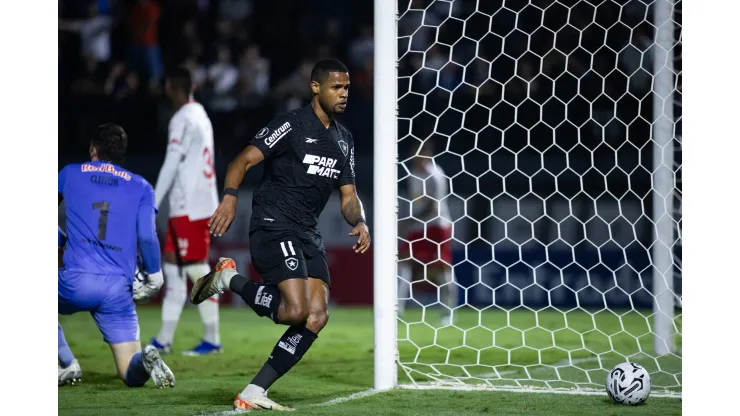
column 146, row 286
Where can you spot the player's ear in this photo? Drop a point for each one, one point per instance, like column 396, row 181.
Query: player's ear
column 315, row 87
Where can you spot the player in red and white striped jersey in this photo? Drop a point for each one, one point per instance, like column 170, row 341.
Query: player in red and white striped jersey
column 188, row 175
column 429, row 238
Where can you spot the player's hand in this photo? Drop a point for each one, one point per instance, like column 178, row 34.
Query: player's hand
column 363, row 242
column 224, row 215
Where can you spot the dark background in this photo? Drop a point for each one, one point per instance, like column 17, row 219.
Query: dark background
column 215, row 39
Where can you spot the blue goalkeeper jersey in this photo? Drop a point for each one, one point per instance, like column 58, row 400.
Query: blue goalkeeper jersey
column 109, row 211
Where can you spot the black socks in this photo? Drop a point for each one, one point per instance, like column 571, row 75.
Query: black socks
column 289, row 350
column 264, row 300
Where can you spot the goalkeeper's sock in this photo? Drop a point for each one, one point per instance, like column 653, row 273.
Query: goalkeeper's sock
column 173, row 302
column 289, row 350
column 136, row 374
column 208, row 309
column 65, row 354
column 264, row 300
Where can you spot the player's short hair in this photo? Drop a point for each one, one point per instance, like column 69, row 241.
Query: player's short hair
column 320, row 71
column 110, row 142
column 181, row 80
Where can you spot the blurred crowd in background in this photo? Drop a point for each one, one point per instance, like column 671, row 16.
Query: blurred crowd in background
column 492, row 75
column 532, row 85
column 249, row 58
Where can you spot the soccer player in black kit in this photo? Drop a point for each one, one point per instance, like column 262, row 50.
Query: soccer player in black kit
column 307, row 155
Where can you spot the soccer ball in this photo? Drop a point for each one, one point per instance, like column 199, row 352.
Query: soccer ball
column 628, row 383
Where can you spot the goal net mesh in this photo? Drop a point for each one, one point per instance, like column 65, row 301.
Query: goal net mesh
column 543, row 119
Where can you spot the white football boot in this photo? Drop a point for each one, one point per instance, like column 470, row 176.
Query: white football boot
column 71, row 374
column 259, row 402
column 161, row 375
column 213, row 282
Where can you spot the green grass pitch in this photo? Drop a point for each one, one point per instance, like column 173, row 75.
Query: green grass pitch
column 340, row 363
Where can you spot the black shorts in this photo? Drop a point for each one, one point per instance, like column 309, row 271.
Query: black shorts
column 279, row 255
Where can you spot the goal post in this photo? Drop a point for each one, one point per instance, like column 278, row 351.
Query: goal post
column 385, row 196
column 663, row 182
column 555, row 143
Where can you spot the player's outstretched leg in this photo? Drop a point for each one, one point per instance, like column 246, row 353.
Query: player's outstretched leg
column 286, row 304
column 289, row 350
column 264, row 300
column 70, row 371
column 215, row 282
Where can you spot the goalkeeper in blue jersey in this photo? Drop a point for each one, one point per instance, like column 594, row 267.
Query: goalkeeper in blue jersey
column 110, row 210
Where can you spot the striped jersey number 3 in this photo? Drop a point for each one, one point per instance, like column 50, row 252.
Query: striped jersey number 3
column 209, row 169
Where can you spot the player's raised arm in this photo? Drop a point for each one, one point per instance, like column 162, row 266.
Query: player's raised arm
column 269, row 141
column 224, row 215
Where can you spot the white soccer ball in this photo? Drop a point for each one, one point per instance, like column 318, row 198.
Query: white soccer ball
column 628, row 383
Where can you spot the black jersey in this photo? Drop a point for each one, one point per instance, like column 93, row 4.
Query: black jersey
column 304, row 163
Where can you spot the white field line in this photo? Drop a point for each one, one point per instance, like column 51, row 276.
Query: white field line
column 226, row 413
column 354, row 396
column 337, row 400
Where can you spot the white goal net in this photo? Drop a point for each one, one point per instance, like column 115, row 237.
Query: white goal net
column 544, row 136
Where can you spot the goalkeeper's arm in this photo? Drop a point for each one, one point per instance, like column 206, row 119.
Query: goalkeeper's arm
column 149, row 248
